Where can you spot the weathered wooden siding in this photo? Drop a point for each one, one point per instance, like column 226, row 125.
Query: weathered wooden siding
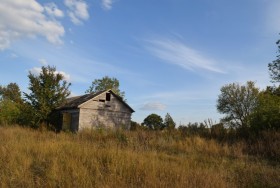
column 70, row 120
column 99, row 112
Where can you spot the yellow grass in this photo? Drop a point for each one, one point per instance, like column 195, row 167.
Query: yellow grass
column 100, row 158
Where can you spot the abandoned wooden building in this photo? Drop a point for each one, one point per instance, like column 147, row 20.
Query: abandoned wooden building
column 101, row 109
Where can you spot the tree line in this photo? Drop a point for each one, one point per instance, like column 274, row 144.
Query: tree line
column 246, row 107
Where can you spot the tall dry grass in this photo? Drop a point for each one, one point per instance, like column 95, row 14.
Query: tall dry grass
column 106, row 158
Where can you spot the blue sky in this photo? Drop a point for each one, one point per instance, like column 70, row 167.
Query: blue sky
column 169, row 55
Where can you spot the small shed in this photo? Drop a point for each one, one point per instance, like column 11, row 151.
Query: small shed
column 101, row 109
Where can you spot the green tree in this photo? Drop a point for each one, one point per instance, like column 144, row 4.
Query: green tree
column 273, row 90
column 237, row 102
column 9, row 112
column 135, row 126
column 10, row 103
column 267, row 113
column 274, row 67
column 106, row 83
column 218, row 131
column 48, row 91
column 11, row 92
column 28, row 115
column 153, row 122
column 168, row 122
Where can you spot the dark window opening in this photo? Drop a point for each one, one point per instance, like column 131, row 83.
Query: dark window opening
column 101, row 100
column 108, row 96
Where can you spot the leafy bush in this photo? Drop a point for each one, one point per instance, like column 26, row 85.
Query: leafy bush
column 9, row 112
column 194, row 129
column 267, row 114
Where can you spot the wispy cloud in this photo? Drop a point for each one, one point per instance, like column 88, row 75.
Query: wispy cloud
column 176, row 96
column 178, row 53
column 107, row 4
column 43, row 62
column 78, row 11
column 13, row 55
column 29, row 18
column 150, row 106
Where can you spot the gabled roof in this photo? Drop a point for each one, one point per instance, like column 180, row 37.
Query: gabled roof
column 75, row 102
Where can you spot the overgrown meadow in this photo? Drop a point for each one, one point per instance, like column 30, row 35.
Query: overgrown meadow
column 117, row 158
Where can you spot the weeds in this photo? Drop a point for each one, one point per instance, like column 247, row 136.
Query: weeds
column 115, row 158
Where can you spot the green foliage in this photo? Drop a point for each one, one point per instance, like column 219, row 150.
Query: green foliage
column 106, row 83
column 9, row 112
column 153, row 122
column 267, row 114
column 10, row 103
column 28, row 116
column 193, row 129
column 218, row 131
column 48, row 91
column 135, row 126
column 11, row 92
column 274, row 67
column 237, row 102
column 168, row 122
column 273, row 90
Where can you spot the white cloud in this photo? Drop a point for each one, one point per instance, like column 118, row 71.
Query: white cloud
column 153, row 106
column 78, row 10
column 179, row 54
column 27, row 18
column 37, row 71
column 107, row 4
column 52, row 10
column 43, row 62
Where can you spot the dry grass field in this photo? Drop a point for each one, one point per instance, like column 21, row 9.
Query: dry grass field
column 104, row 158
